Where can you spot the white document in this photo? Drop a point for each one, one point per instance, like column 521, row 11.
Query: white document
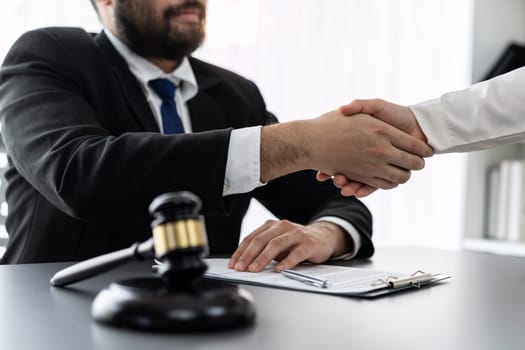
column 341, row 280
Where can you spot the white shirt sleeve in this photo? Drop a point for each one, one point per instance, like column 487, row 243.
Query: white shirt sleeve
column 484, row 115
column 243, row 166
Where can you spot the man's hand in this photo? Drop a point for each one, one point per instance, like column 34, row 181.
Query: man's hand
column 360, row 148
column 289, row 244
column 348, row 188
column 398, row 116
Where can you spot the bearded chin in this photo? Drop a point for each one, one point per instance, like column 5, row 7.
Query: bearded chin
column 170, row 43
column 180, row 44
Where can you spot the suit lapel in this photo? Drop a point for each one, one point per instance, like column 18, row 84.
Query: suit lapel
column 206, row 113
column 205, row 110
column 129, row 86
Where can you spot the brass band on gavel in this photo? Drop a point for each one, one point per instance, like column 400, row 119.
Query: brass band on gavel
column 186, row 233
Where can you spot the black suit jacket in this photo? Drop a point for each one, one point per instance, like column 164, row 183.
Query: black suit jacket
column 86, row 156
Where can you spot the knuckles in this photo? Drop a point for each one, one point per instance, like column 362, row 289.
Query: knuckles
column 269, row 222
column 380, row 153
column 279, row 241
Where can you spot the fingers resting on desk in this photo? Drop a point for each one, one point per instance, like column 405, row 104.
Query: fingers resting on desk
column 290, row 244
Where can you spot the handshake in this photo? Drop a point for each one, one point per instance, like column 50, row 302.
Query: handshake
column 363, row 146
column 400, row 117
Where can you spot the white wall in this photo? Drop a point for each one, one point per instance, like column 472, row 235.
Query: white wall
column 309, row 56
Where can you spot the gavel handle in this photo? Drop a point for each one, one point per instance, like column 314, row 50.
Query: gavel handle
column 102, row 263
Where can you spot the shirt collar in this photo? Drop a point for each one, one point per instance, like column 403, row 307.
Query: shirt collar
column 145, row 71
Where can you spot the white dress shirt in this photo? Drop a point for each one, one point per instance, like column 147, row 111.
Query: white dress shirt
column 243, row 162
column 484, row 115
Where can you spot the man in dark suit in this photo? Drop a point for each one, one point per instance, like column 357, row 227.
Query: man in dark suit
column 96, row 126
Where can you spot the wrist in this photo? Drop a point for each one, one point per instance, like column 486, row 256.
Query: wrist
column 284, row 149
column 342, row 242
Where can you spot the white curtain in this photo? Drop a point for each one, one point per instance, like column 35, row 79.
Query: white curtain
column 310, row 56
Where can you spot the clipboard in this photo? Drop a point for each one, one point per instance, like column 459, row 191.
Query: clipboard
column 340, row 280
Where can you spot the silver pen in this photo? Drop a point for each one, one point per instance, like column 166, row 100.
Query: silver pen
column 304, row 278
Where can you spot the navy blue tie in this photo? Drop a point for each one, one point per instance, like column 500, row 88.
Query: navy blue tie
column 171, row 122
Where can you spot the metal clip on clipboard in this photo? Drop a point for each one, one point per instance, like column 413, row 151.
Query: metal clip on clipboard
column 414, row 280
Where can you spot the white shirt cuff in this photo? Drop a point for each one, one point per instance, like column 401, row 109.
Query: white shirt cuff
column 243, row 166
column 350, row 230
column 433, row 122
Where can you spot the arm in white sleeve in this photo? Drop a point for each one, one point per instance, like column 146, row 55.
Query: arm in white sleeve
column 484, row 115
column 243, row 164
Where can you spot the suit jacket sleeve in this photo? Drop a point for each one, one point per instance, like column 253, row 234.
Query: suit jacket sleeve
column 484, row 115
column 60, row 144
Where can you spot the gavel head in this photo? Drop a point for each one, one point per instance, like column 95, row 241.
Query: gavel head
column 179, row 237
